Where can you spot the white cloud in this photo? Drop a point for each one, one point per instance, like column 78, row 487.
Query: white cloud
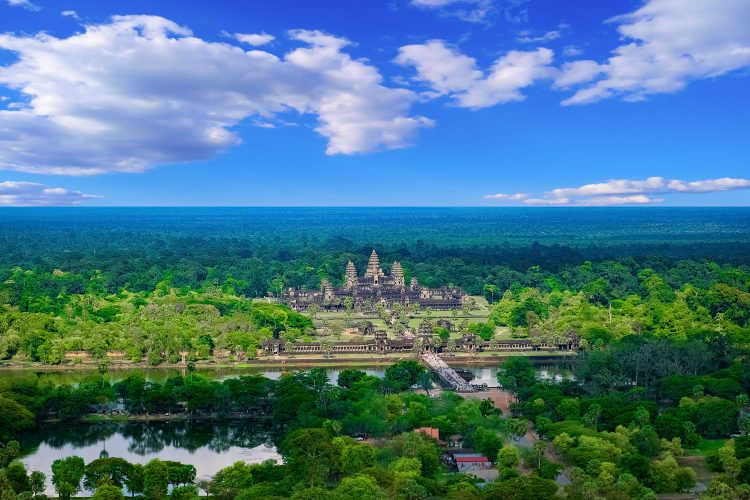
column 254, row 39
column 577, row 72
column 141, row 91
column 596, row 201
column 70, row 13
column 16, row 193
column 504, row 196
column 658, row 185
column 526, row 35
column 450, row 72
column 668, row 43
column 572, row 51
column 26, row 4
column 474, row 11
column 443, row 67
column 708, row 186
column 624, row 192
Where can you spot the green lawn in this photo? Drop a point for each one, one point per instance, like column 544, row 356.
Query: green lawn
column 706, row 446
column 480, row 314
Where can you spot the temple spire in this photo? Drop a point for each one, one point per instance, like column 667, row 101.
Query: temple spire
column 373, row 265
column 397, row 273
column 350, row 279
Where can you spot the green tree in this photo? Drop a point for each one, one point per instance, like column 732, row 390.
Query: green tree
column 155, row 480
column 487, row 408
column 354, row 458
column 537, row 451
column 134, row 480
column 517, row 428
column 359, row 486
column 107, row 492
column 37, row 480
column 229, row 481
column 185, row 492
column 516, row 373
column 491, row 290
column 714, row 417
column 14, row 417
column 487, row 441
column 349, row 376
column 110, row 470
column 530, row 487
column 569, row 409
column 66, row 476
column 314, row 493
column 6, row 490
column 9, row 452
column 18, row 477
column 179, row 473
column 508, row 458
column 309, row 454
column 402, row 375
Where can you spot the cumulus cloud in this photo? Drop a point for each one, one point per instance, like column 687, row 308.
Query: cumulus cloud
column 596, row 201
column 27, row 194
column 26, row 4
column 449, row 72
column 504, row 196
column 474, row 11
column 667, row 44
column 140, row 91
column 577, row 72
column 658, row 185
column 254, row 39
column 70, row 13
column 625, row 192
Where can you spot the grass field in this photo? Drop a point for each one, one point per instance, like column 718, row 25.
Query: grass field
column 479, row 314
column 706, row 446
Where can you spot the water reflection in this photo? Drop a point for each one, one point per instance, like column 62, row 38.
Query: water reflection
column 208, row 445
column 549, row 368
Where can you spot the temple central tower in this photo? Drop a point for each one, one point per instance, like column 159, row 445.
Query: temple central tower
column 373, row 268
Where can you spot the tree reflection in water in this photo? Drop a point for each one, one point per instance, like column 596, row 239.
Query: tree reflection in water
column 151, row 437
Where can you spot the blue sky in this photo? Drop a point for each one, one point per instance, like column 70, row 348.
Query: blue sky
column 399, row 102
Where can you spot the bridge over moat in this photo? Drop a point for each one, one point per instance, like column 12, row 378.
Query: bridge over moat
column 446, row 374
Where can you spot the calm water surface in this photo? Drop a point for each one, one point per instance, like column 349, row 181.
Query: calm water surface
column 210, row 446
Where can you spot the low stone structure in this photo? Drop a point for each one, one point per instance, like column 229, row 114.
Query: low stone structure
column 425, row 342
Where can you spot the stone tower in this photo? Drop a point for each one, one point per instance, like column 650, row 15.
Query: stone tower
column 413, row 284
column 373, row 268
column 327, row 289
column 350, row 279
column 398, row 274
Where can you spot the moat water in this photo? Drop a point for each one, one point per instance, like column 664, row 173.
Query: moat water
column 208, row 445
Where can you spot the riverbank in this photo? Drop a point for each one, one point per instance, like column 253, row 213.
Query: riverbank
column 296, row 361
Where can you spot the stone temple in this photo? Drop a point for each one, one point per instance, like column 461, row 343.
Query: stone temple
column 372, row 288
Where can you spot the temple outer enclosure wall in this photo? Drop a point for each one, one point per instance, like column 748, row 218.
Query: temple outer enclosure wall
column 382, row 345
column 371, row 288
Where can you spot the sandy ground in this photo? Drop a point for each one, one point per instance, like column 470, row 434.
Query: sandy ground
column 501, row 398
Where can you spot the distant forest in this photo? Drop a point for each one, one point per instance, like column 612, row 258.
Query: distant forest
column 253, row 252
column 153, row 282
